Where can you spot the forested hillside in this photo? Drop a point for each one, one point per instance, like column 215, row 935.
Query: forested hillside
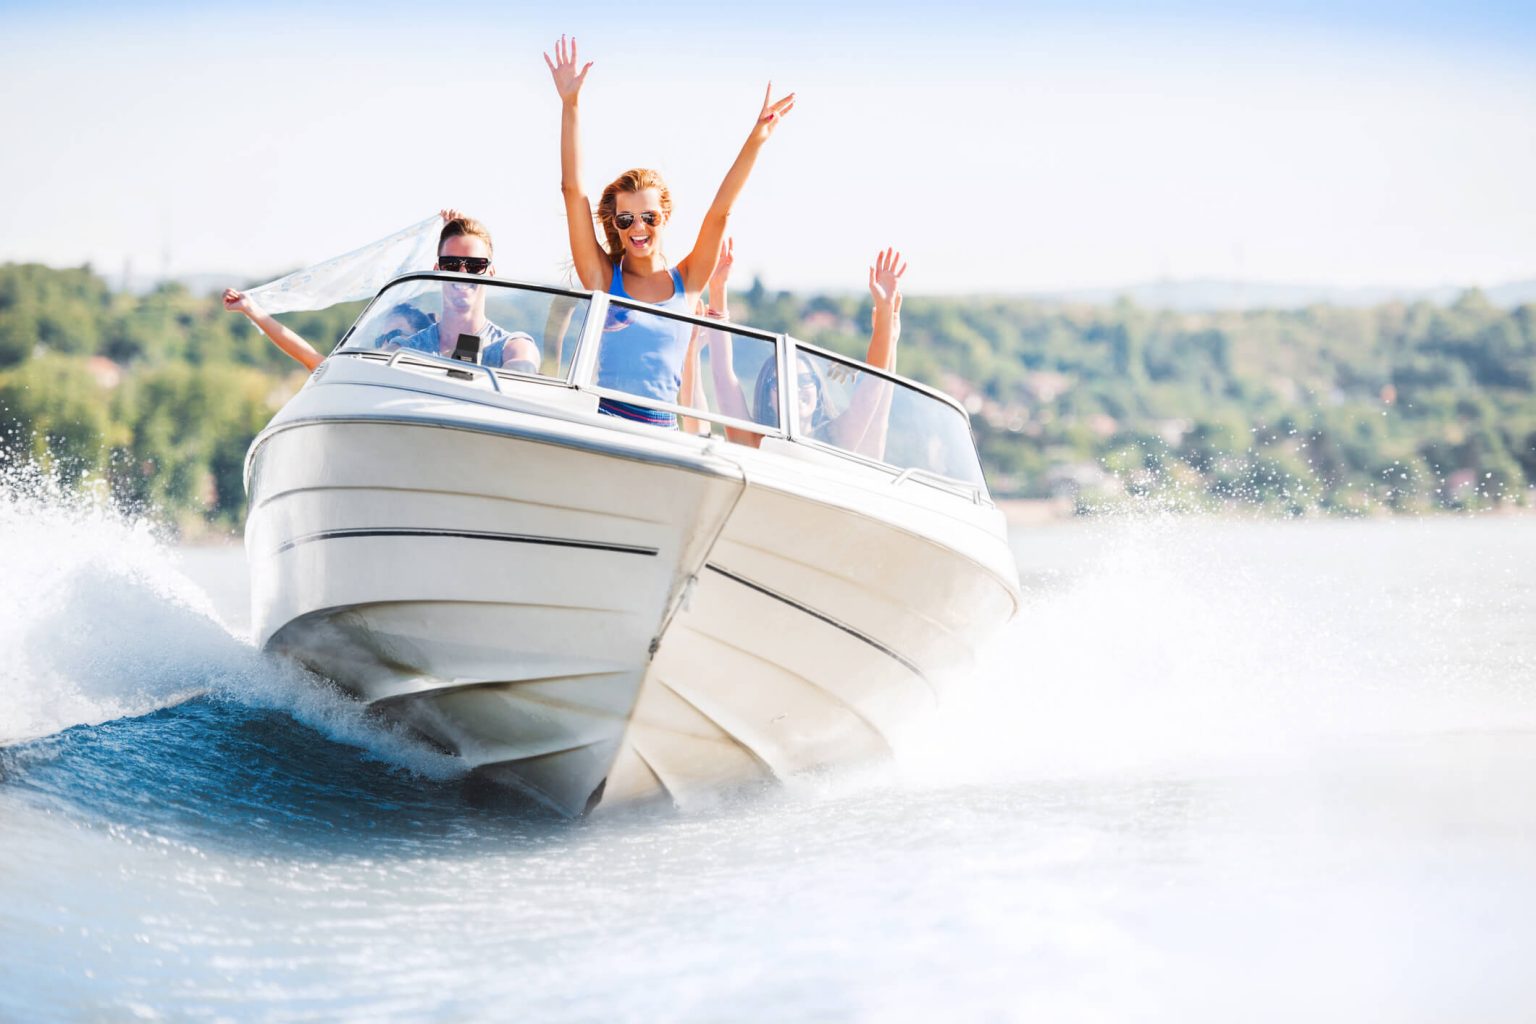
column 155, row 397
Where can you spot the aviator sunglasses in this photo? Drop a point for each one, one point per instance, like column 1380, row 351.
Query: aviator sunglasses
column 465, row 264
column 624, row 220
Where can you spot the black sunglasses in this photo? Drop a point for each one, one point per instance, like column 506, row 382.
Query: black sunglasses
column 466, row 264
column 624, row 220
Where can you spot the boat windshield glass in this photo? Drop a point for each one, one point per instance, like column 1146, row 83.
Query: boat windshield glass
column 642, row 353
column 848, row 406
column 510, row 327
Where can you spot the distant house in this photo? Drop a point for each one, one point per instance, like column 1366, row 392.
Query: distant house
column 1047, row 385
column 1461, row 484
column 1080, row 479
column 825, row 320
column 1102, row 424
column 1172, row 431
column 107, row 374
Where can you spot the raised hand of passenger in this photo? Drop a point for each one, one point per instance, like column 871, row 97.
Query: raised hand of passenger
column 722, row 272
column 450, row 214
column 240, row 302
column 563, row 68
column 772, row 113
column 885, row 279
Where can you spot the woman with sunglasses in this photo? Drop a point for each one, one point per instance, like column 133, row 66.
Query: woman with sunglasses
column 861, row 427
column 643, row 354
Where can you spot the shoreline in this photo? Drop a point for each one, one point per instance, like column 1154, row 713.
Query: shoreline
column 1024, row 512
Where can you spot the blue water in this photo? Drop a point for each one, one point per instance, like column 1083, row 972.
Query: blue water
column 1219, row 770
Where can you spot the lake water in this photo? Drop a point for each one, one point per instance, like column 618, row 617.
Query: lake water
column 1216, row 771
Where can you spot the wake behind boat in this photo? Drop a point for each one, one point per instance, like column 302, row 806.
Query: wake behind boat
column 598, row 611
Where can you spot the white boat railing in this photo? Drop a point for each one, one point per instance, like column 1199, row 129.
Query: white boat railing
column 452, row 366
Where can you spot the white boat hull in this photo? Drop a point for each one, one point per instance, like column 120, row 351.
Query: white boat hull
column 599, row 616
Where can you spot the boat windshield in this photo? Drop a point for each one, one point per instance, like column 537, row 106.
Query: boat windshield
column 508, row 326
column 847, row 405
column 734, row 393
column 736, row 383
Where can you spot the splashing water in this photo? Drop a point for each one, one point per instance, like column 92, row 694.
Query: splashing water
column 1173, row 640
column 100, row 624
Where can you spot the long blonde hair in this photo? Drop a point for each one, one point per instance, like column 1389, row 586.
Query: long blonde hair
column 634, row 180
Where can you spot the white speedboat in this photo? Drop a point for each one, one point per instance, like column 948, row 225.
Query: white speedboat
column 596, row 611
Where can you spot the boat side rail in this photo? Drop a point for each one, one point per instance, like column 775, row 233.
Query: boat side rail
column 453, row 366
column 692, row 412
column 942, row 482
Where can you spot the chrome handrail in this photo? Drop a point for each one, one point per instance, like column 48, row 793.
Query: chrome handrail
column 692, row 412
column 432, row 359
column 939, row 480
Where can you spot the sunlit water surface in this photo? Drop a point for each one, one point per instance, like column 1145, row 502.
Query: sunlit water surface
column 1215, row 771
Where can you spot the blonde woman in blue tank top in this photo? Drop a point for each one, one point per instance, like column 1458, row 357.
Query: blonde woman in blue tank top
column 643, row 354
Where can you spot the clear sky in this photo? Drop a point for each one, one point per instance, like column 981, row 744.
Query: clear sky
column 1005, row 147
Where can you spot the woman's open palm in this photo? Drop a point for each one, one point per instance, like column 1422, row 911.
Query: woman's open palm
column 568, row 80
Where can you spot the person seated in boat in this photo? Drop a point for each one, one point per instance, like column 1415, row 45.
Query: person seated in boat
column 861, row 427
column 404, row 321
column 464, row 246
column 643, row 354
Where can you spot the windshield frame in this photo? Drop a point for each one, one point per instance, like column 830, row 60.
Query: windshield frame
column 978, row 491
column 582, row 372
column 584, row 367
column 483, row 279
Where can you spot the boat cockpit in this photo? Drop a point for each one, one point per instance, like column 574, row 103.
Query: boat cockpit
column 839, row 405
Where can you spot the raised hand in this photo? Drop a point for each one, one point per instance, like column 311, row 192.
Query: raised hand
column 885, row 279
column 568, row 80
column 723, row 263
column 772, row 113
column 239, row 302
column 449, row 214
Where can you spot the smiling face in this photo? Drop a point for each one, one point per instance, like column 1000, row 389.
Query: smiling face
column 634, row 209
column 460, row 299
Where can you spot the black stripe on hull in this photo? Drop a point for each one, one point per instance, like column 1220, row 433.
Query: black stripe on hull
column 823, row 616
column 508, row 538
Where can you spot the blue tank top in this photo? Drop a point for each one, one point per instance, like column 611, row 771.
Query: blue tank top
column 643, row 353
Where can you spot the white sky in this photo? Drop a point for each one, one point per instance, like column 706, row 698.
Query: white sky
column 1015, row 149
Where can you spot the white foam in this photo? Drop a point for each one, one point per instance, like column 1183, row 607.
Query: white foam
column 1171, row 639
column 98, row 623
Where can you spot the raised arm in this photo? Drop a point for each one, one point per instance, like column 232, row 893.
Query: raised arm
column 284, row 338
column 722, row 365
column 690, row 391
column 562, row 309
column 864, row 425
column 884, row 289
column 697, row 266
column 586, row 252
column 727, row 388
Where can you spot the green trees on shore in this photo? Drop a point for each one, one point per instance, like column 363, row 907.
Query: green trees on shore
column 1402, row 407
column 1399, row 407
column 155, row 396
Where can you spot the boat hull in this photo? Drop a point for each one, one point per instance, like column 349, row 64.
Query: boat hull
column 600, row 616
